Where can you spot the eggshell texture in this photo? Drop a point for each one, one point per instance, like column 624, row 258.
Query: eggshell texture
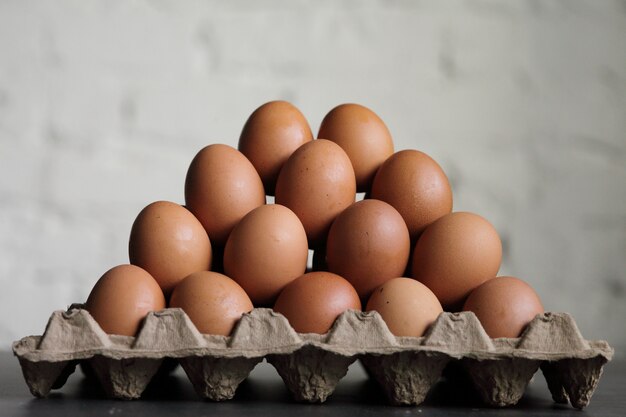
column 416, row 186
column 364, row 137
column 269, row 137
column 317, row 182
column 169, row 242
column 213, row 302
column 266, row 251
column 122, row 298
column 221, row 187
column 456, row 254
column 408, row 307
column 312, row 302
column 504, row 306
column 368, row 244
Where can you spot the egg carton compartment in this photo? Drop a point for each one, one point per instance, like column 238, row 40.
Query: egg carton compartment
column 311, row 365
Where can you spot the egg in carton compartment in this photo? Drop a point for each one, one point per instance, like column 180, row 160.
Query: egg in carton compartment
column 311, row 365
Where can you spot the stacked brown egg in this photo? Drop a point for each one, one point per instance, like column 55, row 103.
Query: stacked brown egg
column 399, row 250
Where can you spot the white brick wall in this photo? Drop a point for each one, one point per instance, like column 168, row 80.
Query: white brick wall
column 104, row 103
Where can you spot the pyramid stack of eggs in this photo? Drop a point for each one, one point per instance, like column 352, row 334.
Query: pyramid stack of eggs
column 399, row 249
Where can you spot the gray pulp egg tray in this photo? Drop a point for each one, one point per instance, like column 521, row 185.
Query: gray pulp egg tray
column 311, row 365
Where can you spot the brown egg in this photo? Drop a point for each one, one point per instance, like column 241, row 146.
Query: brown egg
column 416, row 186
column 504, row 306
column 408, row 307
column 312, row 302
column 213, row 302
column 170, row 243
column 368, row 244
column 317, row 182
column 122, row 298
column 221, row 187
column 456, row 254
column 266, row 251
column 269, row 137
column 364, row 137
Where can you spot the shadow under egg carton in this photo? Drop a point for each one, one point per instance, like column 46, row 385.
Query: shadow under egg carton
column 311, row 365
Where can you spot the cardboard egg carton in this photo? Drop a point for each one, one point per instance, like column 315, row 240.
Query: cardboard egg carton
column 311, row 365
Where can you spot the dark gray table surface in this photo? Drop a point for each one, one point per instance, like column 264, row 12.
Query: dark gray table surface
column 264, row 394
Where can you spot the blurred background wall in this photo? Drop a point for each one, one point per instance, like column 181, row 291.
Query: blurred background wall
column 104, row 103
